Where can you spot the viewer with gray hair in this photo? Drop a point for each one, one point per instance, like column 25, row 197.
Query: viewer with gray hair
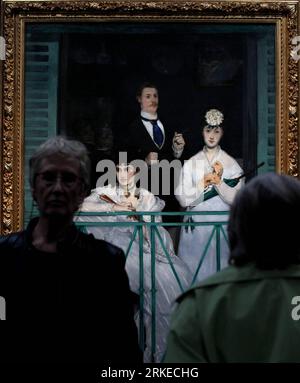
column 67, row 287
column 68, row 148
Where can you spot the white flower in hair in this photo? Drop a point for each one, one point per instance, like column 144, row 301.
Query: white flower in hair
column 214, row 117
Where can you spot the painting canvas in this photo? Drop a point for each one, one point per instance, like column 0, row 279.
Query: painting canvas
column 91, row 76
column 78, row 66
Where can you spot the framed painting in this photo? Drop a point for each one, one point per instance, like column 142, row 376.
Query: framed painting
column 73, row 68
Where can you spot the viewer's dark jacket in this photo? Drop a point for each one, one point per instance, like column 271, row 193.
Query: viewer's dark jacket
column 74, row 305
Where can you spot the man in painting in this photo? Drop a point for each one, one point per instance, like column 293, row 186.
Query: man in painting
column 148, row 139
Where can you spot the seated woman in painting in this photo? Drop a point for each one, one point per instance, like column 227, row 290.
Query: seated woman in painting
column 209, row 182
column 172, row 276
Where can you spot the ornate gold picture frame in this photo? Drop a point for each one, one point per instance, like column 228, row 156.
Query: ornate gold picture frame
column 17, row 15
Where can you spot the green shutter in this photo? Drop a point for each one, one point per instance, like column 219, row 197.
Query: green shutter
column 41, row 82
column 266, row 145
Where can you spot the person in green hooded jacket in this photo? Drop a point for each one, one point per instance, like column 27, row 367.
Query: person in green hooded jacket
column 250, row 311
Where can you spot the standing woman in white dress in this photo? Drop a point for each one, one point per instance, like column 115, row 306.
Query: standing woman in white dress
column 208, row 182
column 126, row 197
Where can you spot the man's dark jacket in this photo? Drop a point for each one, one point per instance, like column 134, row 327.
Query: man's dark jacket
column 139, row 142
column 138, row 145
column 71, row 306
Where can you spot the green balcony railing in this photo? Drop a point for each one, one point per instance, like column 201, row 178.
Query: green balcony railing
column 138, row 230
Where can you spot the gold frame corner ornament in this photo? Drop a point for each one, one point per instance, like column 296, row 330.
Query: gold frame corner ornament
column 283, row 13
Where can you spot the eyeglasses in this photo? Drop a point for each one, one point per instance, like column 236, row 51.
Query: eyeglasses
column 66, row 178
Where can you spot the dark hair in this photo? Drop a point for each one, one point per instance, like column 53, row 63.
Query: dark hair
column 143, row 86
column 213, row 127
column 262, row 225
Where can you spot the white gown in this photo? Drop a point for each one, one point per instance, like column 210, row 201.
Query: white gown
column 192, row 243
column 168, row 288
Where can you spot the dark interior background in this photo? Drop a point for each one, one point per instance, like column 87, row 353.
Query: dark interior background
column 193, row 72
